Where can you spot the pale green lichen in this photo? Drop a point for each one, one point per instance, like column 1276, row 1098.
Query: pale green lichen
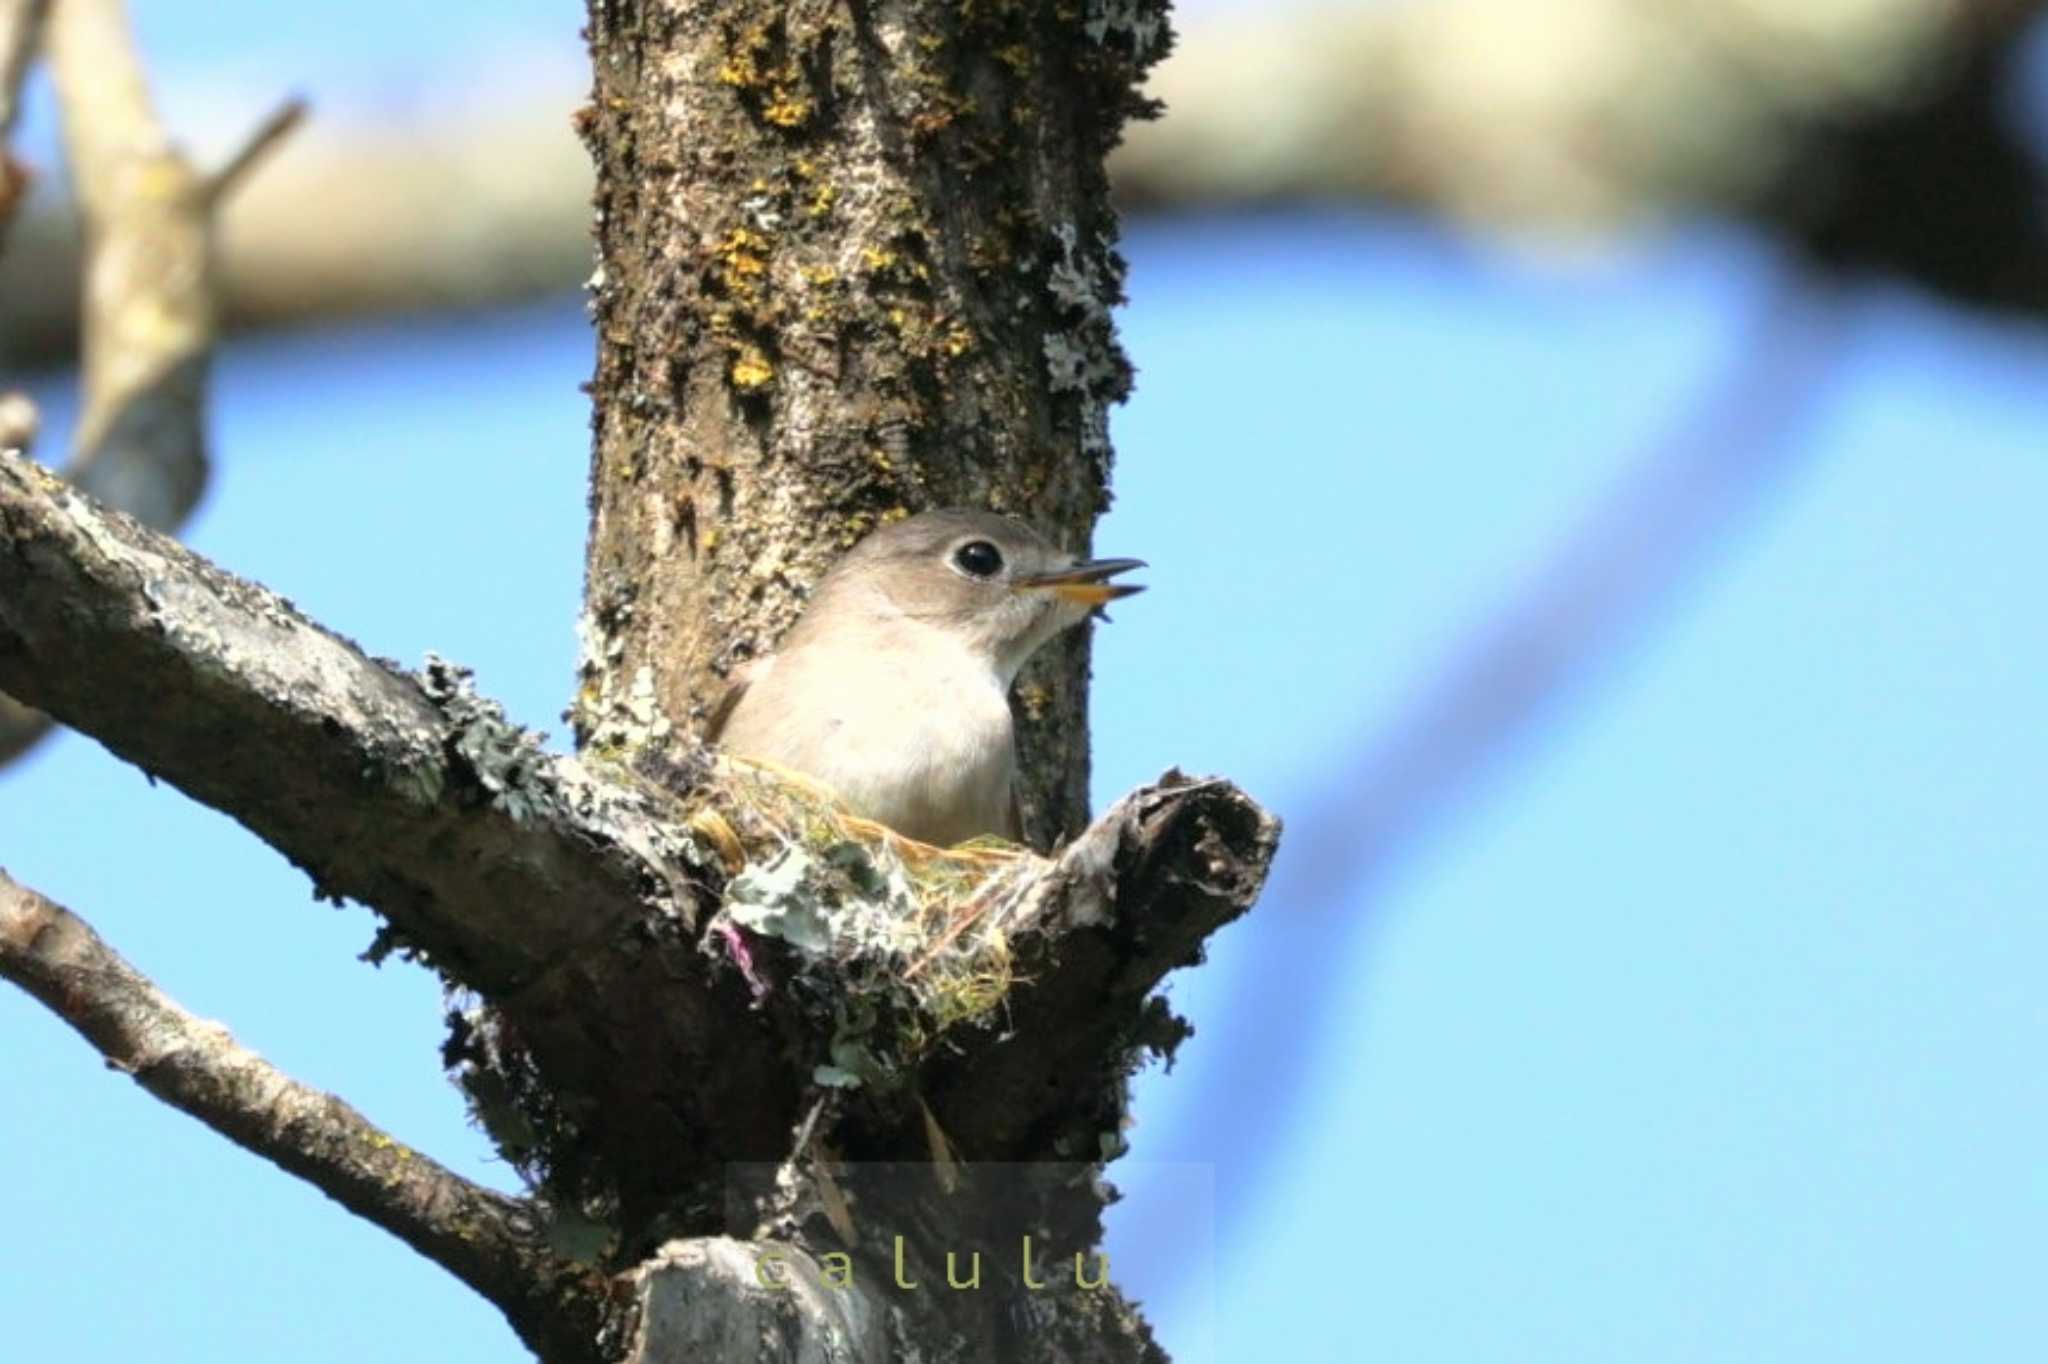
column 504, row 759
column 1081, row 352
column 1142, row 23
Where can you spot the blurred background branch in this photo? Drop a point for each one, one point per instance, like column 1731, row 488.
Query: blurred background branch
column 1867, row 133
column 1576, row 117
column 1659, row 526
column 20, row 25
column 148, row 302
column 1394, row 784
column 477, row 210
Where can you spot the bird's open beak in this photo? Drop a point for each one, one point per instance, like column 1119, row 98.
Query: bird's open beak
column 1087, row 584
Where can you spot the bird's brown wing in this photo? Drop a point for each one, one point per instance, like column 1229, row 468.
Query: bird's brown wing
column 714, row 728
column 743, row 677
column 1015, row 833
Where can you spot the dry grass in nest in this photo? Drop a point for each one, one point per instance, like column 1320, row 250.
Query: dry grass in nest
column 919, row 921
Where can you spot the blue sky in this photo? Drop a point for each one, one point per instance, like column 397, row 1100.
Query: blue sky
column 1706, row 1024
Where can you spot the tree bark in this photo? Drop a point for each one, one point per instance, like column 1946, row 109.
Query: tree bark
column 854, row 261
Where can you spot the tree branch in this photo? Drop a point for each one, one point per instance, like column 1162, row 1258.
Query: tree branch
column 150, row 320
column 575, row 900
column 476, row 211
column 261, row 141
column 104, row 622
column 705, row 1299
column 489, row 1241
column 20, row 726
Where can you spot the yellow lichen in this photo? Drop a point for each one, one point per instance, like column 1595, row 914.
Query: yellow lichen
column 750, row 369
column 750, row 65
column 742, row 259
column 742, row 65
column 786, row 109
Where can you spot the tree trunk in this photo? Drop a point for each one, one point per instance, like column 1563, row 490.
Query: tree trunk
column 853, row 262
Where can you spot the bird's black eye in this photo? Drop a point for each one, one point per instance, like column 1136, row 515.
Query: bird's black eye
column 979, row 559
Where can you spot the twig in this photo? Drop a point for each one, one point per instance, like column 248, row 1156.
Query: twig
column 488, row 1240
column 148, row 291
column 262, row 138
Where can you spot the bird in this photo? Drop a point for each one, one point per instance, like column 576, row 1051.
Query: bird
column 892, row 688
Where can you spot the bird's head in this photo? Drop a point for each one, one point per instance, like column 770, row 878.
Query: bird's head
column 989, row 581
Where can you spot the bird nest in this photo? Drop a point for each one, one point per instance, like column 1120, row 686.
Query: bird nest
column 901, row 941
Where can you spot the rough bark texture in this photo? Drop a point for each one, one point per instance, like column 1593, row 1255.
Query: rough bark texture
column 854, row 261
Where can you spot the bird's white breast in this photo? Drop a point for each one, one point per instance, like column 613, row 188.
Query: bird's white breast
column 912, row 732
